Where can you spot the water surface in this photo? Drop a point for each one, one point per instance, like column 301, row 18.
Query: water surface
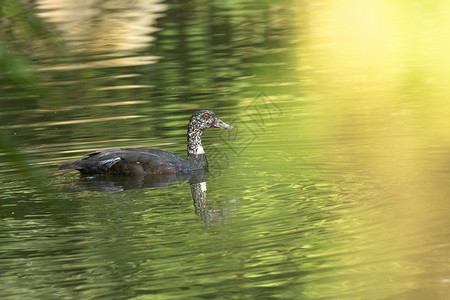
column 334, row 184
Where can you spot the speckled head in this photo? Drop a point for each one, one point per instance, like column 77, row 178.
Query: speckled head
column 200, row 120
column 204, row 119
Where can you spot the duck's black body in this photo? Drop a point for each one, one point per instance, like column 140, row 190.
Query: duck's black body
column 130, row 161
column 141, row 161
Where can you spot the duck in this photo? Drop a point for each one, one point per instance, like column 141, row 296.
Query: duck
column 142, row 161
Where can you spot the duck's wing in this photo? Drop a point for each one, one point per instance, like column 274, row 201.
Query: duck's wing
column 129, row 161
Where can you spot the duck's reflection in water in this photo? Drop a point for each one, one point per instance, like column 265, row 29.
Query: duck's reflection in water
column 198, row 191
column 106, row 183
column 197, row 181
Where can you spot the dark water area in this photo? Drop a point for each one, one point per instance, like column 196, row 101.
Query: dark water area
column 333, row 184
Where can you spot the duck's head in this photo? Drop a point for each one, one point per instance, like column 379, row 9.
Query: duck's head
column 204, row 119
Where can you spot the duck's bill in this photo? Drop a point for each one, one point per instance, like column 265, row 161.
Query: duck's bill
column 221, row 124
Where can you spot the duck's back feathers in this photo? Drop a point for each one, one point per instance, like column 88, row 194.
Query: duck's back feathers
column 129, row 161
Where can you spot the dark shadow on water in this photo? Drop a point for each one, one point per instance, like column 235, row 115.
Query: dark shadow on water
column 104, row 183
column 197, row 181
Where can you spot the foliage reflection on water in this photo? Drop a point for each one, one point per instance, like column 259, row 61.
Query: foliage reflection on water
column 333, row 185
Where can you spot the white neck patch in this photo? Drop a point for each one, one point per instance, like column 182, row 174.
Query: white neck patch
column 203, row 186
column 200, row 150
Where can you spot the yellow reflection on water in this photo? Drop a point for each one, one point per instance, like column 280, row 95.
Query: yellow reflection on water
column 118, row 27
column 70, row 122
column 378, row 72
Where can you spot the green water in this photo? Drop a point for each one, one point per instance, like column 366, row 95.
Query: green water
column 333, row 185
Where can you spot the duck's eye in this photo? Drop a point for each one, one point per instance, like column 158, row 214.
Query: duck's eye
column 206, row 116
